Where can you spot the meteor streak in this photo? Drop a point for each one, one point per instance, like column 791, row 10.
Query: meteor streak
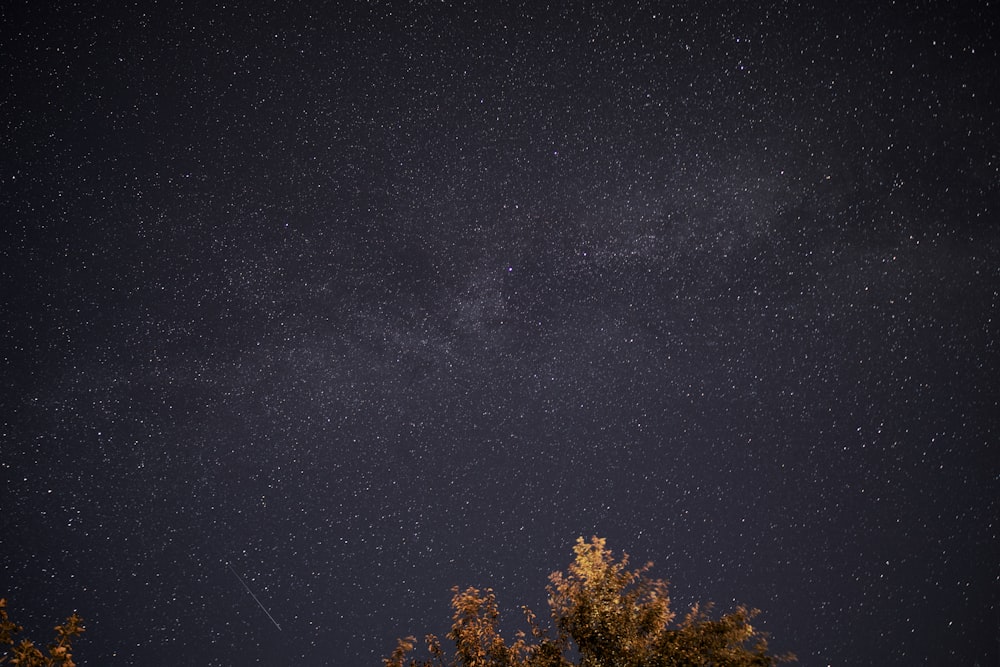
column 253, row 596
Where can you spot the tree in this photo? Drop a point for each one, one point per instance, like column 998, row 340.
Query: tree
column 603, row 615
column 26, row 654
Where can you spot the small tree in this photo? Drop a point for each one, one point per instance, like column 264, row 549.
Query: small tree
column 26, row 654
column 604, row 615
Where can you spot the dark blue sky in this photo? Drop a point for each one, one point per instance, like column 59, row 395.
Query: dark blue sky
column 367, row 301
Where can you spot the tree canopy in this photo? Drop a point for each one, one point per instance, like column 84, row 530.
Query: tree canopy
column 26, row 654
column 603, row 615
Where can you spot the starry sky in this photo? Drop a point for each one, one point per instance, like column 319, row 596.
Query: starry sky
column 350, row 303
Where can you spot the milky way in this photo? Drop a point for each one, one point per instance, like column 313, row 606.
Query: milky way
column 374, row 300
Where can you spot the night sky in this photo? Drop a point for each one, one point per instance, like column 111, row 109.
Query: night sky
column 357, row 303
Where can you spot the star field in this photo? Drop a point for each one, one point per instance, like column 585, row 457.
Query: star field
column 361, row 301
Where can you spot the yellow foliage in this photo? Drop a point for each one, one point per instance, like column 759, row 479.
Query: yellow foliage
column 604, row 615
column 26, row 654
